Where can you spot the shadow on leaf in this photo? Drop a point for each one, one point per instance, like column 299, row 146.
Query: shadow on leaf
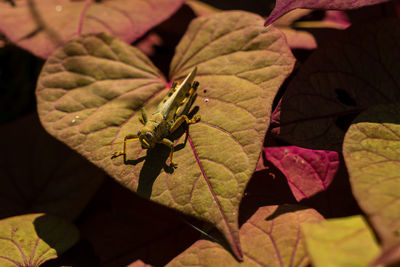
column 54, row 236
column 155, row 161
column 57, row 233
column 157, row 158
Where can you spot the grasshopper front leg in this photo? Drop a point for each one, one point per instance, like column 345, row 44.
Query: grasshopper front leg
column 143, row 118
column 170, row 144
column 123, row 152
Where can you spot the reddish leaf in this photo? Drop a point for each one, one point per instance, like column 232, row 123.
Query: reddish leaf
column 138, row 263
column 307, row 171
column 284, row 6
column 42, row 26
column 269, row 187
column 336, row 19
column 148, row 43
column 261, row 164
column 2, row 40
column 333, row 19
column 299, row 38
column 296, row 38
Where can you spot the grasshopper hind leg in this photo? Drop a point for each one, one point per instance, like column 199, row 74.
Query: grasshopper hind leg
column 174, row 127
column 182, row 119
column 169, row 144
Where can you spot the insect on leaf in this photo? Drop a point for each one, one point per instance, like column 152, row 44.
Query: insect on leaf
column 240, row 66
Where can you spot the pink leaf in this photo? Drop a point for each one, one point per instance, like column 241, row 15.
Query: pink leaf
column 284, row 6
column 138, row 263
column 148, row 44
column 307, row 171
column 338, row 19
column 42, row 26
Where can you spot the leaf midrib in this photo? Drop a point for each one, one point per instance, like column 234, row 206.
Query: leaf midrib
column 236, row 247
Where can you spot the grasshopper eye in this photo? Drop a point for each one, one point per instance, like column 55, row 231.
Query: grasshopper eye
column 139, row 132
column 149, row 135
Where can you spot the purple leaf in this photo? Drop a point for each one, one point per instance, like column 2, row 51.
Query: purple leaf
column 284, row 6
column 299, row 38
column 307, row 171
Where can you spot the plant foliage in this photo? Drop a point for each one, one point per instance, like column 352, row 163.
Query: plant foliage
column 294, row 162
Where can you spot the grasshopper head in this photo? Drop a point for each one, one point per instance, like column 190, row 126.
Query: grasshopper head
column 146, row 139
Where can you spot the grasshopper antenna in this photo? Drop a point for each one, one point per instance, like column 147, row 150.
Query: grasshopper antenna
column 202, row 232
column 117, row 143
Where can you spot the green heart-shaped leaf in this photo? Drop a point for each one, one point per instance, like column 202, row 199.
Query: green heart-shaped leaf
column 90, row 92
column 340, row 242
column 371, row 151
column 30, row 240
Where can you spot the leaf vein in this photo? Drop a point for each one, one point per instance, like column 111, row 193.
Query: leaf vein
column 208, row 44
column 188, row 46
column 235, row 245
column 11, row 260
column 269, row 234
column 226, row 132
column 18, row 247
column 34, row 251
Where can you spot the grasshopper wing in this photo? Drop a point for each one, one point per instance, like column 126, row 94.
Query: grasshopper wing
column 176, row 97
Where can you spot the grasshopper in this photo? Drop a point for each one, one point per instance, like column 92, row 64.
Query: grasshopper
column 169, row 115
